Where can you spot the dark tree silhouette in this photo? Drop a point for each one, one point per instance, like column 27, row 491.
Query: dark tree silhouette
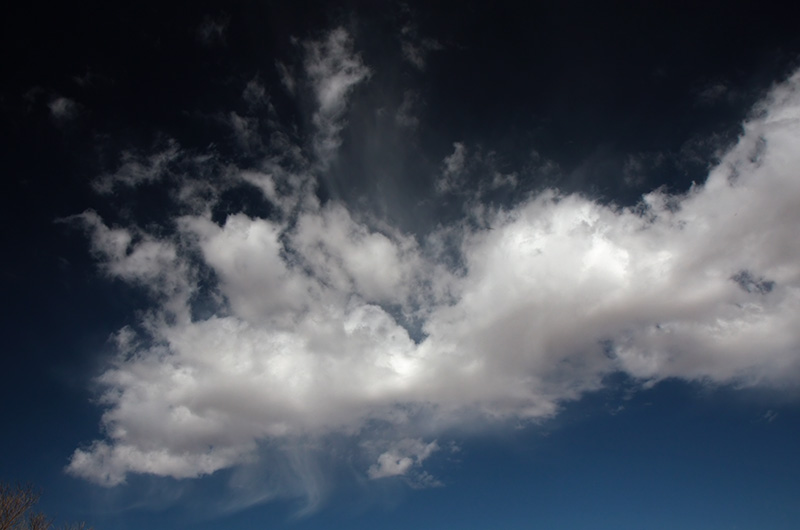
column 17, row 510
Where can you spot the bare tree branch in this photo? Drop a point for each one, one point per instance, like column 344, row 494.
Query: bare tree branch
column 16, row 510
column 15, row 502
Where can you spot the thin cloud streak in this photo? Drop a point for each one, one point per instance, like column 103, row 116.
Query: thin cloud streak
column 334, row 70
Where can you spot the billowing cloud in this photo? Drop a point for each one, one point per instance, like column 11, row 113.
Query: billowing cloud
column 326, row 321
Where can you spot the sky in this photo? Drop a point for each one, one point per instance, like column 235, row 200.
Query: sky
column 393, row 265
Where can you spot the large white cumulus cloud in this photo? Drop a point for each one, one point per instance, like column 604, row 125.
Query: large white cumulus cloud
column 312, row 335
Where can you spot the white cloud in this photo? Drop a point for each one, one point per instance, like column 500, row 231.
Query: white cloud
column 245, row 130
column 404, row 116
column 415, row 49
column 712, row 93
column 254, row 93
column 402, row 458
column 334, row 70
column 136, row 257
column 350, row 258
column 145, row 260
column 136, row 169
column 453, row 167
column 500, row 180
column 717, row 92
column 553, row 294
column 91, row 79
column 637, row 166
column 213, row 30
column 287, row 78
column 63, row 108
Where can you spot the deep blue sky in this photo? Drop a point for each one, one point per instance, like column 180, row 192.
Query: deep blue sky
column 401, row 156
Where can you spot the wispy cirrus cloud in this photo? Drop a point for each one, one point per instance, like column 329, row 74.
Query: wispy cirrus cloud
column 288, row 78
column 453, row 167
column 405, row 115
column 245, row 131
column 63, row 109
column 334, row 70
column 415, row 49
column 255, row 94
column 136, row 168
column 637, row 166
column 213, row 30
column 719, row 91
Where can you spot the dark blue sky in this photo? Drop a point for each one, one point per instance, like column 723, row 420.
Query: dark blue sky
column 388, row 265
